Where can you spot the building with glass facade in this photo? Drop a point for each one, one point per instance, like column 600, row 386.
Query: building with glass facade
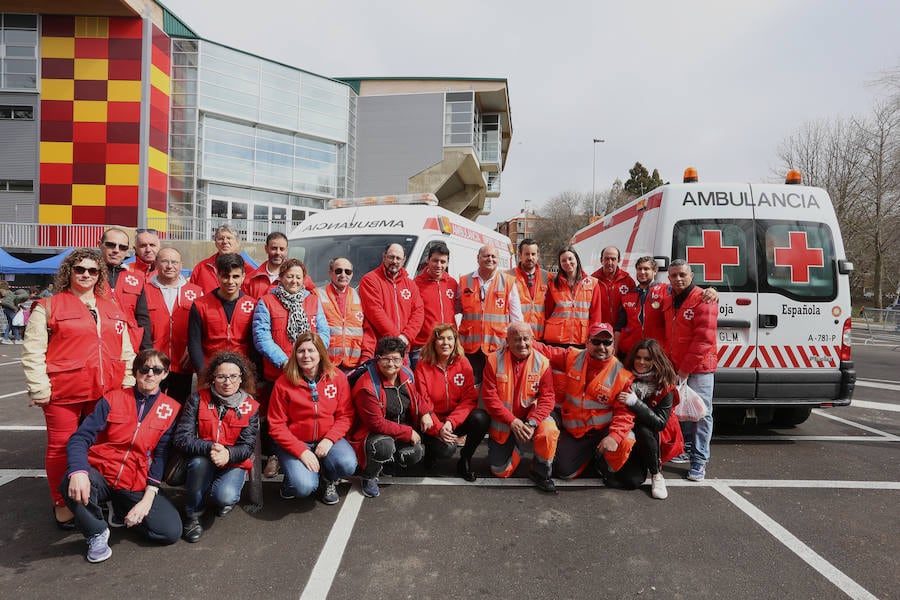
column 115, row 112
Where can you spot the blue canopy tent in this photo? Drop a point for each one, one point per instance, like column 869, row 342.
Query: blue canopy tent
column 48, row 266
column 11, row 264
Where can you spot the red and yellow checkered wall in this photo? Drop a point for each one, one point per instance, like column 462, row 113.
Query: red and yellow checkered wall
column 91, row 122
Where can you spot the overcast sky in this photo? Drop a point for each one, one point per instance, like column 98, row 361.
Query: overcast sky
column 714, row 84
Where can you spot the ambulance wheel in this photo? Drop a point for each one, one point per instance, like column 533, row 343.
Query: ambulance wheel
column 790, row 416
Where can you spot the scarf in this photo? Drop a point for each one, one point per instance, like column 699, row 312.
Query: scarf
column 644, row 385
column 298, row 322
column 232, row 401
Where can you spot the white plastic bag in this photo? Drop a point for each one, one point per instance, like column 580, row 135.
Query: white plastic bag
column 19, row 319
column 690, row 405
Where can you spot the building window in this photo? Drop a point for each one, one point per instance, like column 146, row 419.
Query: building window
column 459, row 118
column 24, row 113
column 18, row 51
column 490, row 139
column 16, row 185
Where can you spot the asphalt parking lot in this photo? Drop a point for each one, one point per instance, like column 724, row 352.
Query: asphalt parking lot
column 805, row 512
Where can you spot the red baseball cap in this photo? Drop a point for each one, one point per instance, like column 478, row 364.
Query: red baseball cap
column 598, row 328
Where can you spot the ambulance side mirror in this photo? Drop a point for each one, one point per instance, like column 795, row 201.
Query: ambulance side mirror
column 845, row 267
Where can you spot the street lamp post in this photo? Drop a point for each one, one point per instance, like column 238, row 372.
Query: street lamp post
column 594, row 179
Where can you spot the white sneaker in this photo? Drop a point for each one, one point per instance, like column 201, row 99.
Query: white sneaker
column 6, row 342
column 98, row 547
column 658, row 487
column 18, row 342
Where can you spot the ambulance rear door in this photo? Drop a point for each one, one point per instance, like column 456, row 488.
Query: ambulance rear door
column 802, row 307
column 715, row 234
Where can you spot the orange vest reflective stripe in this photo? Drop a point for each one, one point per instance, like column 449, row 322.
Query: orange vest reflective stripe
column 483, row 325
column 532, row 307
column 345, row 346
column 589, row 407
column 569, row 322
column 535, row 367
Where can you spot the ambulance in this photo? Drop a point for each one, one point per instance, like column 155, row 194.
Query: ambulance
column 774, row 253
column 359, row 229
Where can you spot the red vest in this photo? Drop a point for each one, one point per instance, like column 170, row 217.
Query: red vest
column 226, row 431
column 483, row 325
column 170, row 330
column 124, row 450
column 650, row 312
column 613, row 290
column 218, row 333
column 346, row 330
column 532, row 306
column 83, row 364
column 204, row 273
column 570, row 320
column 126, row 293
column 278, row 318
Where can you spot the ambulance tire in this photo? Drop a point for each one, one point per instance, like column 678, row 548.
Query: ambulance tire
column 791, row 416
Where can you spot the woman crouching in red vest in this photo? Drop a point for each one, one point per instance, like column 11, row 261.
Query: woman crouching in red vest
column 656, row 430
column 217, row 432
column 118, row 454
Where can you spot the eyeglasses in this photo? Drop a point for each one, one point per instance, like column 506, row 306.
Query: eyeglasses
column 394, row 360
column 92, row 271
column 599, row 342
column 224, row 378
column 113, row 246
column 144, row 369
column 153, row 231
column 343, row 271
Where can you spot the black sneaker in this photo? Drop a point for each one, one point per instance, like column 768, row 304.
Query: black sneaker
column 329, row 493
column 545, row 484
column 192, row 531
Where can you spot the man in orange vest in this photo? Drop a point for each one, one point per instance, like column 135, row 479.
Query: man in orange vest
column 531, row 283
column 593, row 420
column 343, row 311
column 489, row 302
column 518, row 395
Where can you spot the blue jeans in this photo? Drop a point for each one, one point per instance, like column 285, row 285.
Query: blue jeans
column 10, row 315
column 203, row 477
column 301, row 482
column 699, row 434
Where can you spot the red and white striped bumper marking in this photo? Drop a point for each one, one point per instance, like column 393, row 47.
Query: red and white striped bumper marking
column 779, row 357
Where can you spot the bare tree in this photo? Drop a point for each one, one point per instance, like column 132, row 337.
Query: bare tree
column 561, row 216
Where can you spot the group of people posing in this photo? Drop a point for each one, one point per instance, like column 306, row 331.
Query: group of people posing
column 338, row 380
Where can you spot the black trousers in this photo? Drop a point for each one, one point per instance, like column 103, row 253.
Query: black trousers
column 474, row 428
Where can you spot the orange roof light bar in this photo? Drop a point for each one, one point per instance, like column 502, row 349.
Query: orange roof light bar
column 690, row 175
column 426, row 198
column 793, row 177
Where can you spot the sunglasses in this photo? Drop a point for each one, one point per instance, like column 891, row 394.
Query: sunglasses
column 113, row 245
column 144, row 369
column 92, row 271
column 599, row 342
column 394, row 360
column 153, row 231
column 343, row 271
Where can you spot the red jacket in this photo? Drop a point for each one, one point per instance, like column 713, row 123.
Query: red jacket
column 691, row 333
column 225, row 431
column 123, row 450
column 139, row 267
column 278, row 318
column 170, row 329
column 643, row 319
column 296, row 418
column 257, row 283
column 218, row 333
column 449, row 394
column 204, row 273
column 613, row 290
column 370, row 405
column 438, row 302
column 391, row 307
column 82, row 364
column 129, row 287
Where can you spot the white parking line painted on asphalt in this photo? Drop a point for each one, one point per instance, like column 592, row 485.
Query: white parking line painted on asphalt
column 875, row 405
column 11, row 394
column 7, row 475
column 828, row 415
column 881, row 385
column 23, row 428
column 15, row 362
column 807, row 438
column 793, row 543
column 329, row 560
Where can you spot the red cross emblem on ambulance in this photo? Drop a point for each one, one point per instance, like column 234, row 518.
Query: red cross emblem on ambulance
column 405, row 294
column 500, row 303
column 244, row 408
column 164, row 411
column 330, row 391
column 459, row 380
column 190, row 295
column 247, row 306
column 799, row 257
column 450, row 294
column 131, row 280
column 713, row 256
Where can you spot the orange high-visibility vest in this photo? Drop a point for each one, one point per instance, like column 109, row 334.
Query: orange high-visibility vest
column 535, row 367
column 570, row 320
column 345, row 346
column 532, row 307
column 484, row 322
column 589, row 407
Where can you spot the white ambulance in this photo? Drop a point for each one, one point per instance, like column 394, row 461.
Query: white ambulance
column 359, row 229
column 775, row 254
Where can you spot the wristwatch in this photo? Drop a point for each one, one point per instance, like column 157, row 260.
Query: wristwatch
column 531, row 423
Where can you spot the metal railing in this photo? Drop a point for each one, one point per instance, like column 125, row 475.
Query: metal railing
column 882, row 324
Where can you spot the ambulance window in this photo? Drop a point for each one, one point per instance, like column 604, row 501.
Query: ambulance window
column 363, row 251
column 799, row 260
column 720, row 252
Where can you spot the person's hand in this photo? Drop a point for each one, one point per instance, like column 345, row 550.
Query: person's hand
column 40, row 402
column 522, row 431
column 446, row 434
column 710, row 295
column 622, row 397
column 310, row 461
column 427, row 422
column 416, row 438
column 609, row 444
column 137, row 513
column 219, row 455
column 323, row 447
column 80, row 488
